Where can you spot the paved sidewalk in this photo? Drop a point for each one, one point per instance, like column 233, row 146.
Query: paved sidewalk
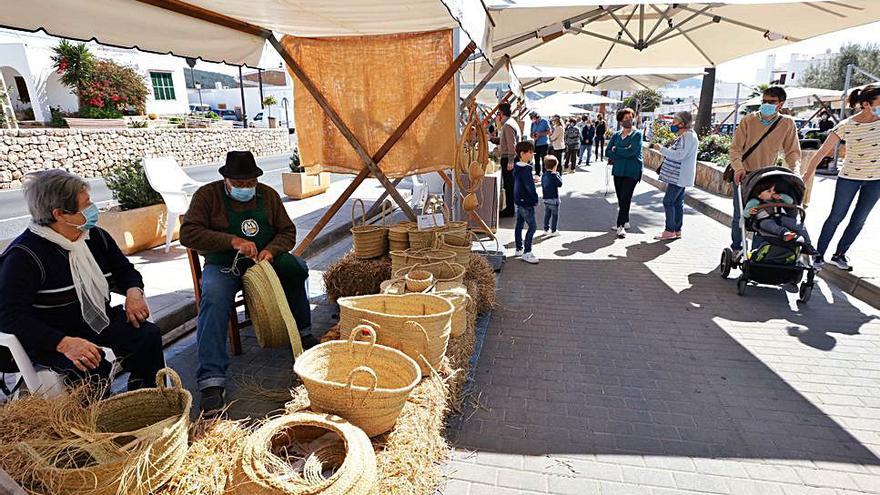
column 630, row 367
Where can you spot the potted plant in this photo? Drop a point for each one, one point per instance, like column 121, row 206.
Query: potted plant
column 269, row 101
column 138, row 222
column 301, row 183
column 103, row 88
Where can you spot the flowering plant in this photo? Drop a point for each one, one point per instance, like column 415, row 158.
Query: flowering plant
column 104, row 88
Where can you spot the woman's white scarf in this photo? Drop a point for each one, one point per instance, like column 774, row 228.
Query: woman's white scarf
column 91, row 287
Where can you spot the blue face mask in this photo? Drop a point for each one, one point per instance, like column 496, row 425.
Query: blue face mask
column 877, row 111
column 674, row 128
column 242, row 194
column 91, row 216
column 767, row 109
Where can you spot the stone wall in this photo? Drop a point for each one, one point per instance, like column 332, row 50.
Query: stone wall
column 89, row 153
column 709, row 177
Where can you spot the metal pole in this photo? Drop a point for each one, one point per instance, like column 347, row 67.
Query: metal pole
column 260, row 80
column 736, row 108
column 243, row 106
column 285, row 104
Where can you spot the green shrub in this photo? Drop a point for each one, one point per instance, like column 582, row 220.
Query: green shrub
column 129, row 185
column 715, row 149
column 662, row 134
column 212, row 116
column 295, row 164
column 57, row 119
column 138, row 124
column 90, row 112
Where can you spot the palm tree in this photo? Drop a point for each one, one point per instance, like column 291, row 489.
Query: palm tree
column 75, row 64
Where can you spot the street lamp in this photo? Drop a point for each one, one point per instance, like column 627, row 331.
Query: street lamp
column 285, row 103
column 198, row 86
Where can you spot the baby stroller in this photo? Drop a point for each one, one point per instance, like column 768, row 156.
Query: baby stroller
column 768, row 259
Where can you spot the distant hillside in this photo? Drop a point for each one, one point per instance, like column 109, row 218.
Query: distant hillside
column 208, row 79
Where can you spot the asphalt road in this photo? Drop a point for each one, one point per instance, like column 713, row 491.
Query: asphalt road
column 14, row 215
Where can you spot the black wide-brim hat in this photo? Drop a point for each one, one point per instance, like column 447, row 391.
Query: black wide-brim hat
column 240, row 165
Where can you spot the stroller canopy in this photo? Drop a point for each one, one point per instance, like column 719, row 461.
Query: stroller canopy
column 787, row 182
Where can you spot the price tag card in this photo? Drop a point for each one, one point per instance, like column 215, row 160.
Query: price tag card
column 430, row 221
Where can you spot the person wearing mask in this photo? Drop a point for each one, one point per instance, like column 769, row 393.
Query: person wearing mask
column 677, row 171
column 572, row 142
column 540, row 133
column 234, row 223
column 55, row 284
column 557, row 138
column 859, row 175
column 508, row 136
column 757, row 142
column 601, row 129
column 625, row 151
column 588, row 134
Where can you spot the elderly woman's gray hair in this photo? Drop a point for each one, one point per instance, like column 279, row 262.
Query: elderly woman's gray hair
column 686, row 118
column 45, row 191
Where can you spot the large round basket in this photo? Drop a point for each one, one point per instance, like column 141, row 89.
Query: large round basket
column 398, row 236
column 417, row 324
column 369, row 241
column 443, row 271
column 454, row 226
column 137, row 443
column 423, row 239
column 270, row 313
column 365, row 383
column 262, row 470
column 410, row 257
column 464, row 307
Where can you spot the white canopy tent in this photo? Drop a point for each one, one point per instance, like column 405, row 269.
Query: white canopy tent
column 555, row 108
column 568, row 79
column 579, row 98
column 600, row 34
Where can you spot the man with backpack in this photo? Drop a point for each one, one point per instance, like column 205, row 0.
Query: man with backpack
column 757, row 142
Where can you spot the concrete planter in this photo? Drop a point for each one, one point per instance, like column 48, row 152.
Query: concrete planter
column 273, row 122
column 75, row 123
column 304, row 185
column 709, row 177
column 138, row 229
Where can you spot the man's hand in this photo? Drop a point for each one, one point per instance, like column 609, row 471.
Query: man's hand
column 265, row 255
column 244, row 247
column 84, row 354
column 738, row 176
column 136, row 309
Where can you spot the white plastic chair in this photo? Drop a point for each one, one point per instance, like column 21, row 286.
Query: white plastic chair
column 167, row 178
column 38, row 379
column 419, row 192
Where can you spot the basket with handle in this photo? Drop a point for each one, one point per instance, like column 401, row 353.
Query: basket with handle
column 418, row 280
column 402, row 259
column 138, row 442
column 261, row 469
column 334, row 374
column 398, row 236
column 443, row 271
column 460, row 244
column 465, row 308
column 368, row 241
column 416, row 324
column 453, row 226
column 425, row 238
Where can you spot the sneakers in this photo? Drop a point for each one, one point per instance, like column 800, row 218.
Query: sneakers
column 213, row 402
column 308, row 341
column 546, row 231
column 554, row 234
column 518, row 253
column 840, row 261
column 666, row 235
column 621, row 232
column 736, row 254
column 530, row 258
column 818, row 262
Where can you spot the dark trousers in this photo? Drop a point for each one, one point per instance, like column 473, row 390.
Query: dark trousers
column 571, row 154
column 507, row 185
column 139, row 351
column 624, row 188
column 558, row 154
column 600, row 148
column 845, row 193
column 540, row 153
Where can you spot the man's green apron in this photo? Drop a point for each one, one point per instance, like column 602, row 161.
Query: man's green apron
column 253, row 225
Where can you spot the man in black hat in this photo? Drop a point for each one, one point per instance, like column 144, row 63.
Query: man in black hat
column 233, row 223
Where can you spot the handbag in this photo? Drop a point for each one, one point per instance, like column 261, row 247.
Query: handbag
column 729, row 172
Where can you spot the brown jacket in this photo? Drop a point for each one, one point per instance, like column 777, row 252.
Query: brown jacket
column 205, row 223
column 784, row 139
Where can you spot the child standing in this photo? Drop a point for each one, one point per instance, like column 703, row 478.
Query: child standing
column 526, row 199
column 550, row 184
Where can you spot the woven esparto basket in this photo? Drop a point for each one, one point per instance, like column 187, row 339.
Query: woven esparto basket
column 410, row 257
column 329, row 372
column 462, row 302
column 145, row 429
column 260, row 471
column 398, row 236
column 369, row 241
column 273, row 321
column 460, row 244
column 443, row 271
column 418, row 280
column 454, row 226
column 417, row 324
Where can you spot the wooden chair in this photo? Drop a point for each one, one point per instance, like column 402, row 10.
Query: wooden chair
column 234, row 326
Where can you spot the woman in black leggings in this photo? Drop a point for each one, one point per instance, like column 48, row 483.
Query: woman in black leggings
column 600, row 137
column 625, row 151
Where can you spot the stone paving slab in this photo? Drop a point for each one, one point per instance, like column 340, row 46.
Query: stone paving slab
column 629, row 366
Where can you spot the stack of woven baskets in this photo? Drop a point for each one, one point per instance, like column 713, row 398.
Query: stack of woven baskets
column 369, row 241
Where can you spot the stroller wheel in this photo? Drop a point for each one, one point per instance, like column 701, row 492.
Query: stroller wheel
column 741, row 284
column 805, row 292
column 726, row 262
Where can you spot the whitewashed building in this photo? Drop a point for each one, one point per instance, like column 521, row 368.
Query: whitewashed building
column 26, row 65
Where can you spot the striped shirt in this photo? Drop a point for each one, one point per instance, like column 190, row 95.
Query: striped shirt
column 862, row 160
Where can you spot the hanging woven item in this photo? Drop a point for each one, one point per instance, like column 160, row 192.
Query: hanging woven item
column 273, row 321
column 472, row 157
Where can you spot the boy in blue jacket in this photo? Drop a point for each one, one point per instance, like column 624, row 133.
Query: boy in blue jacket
column 526, row 199
column 551, row 181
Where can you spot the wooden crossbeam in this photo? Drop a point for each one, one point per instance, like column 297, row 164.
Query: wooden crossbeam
column 504, row 99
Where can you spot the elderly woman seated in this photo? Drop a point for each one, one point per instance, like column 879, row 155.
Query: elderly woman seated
column 55, row 282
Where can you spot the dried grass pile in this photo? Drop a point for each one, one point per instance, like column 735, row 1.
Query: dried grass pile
column 480, row 282
column 351, row 276
column 215, row 446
